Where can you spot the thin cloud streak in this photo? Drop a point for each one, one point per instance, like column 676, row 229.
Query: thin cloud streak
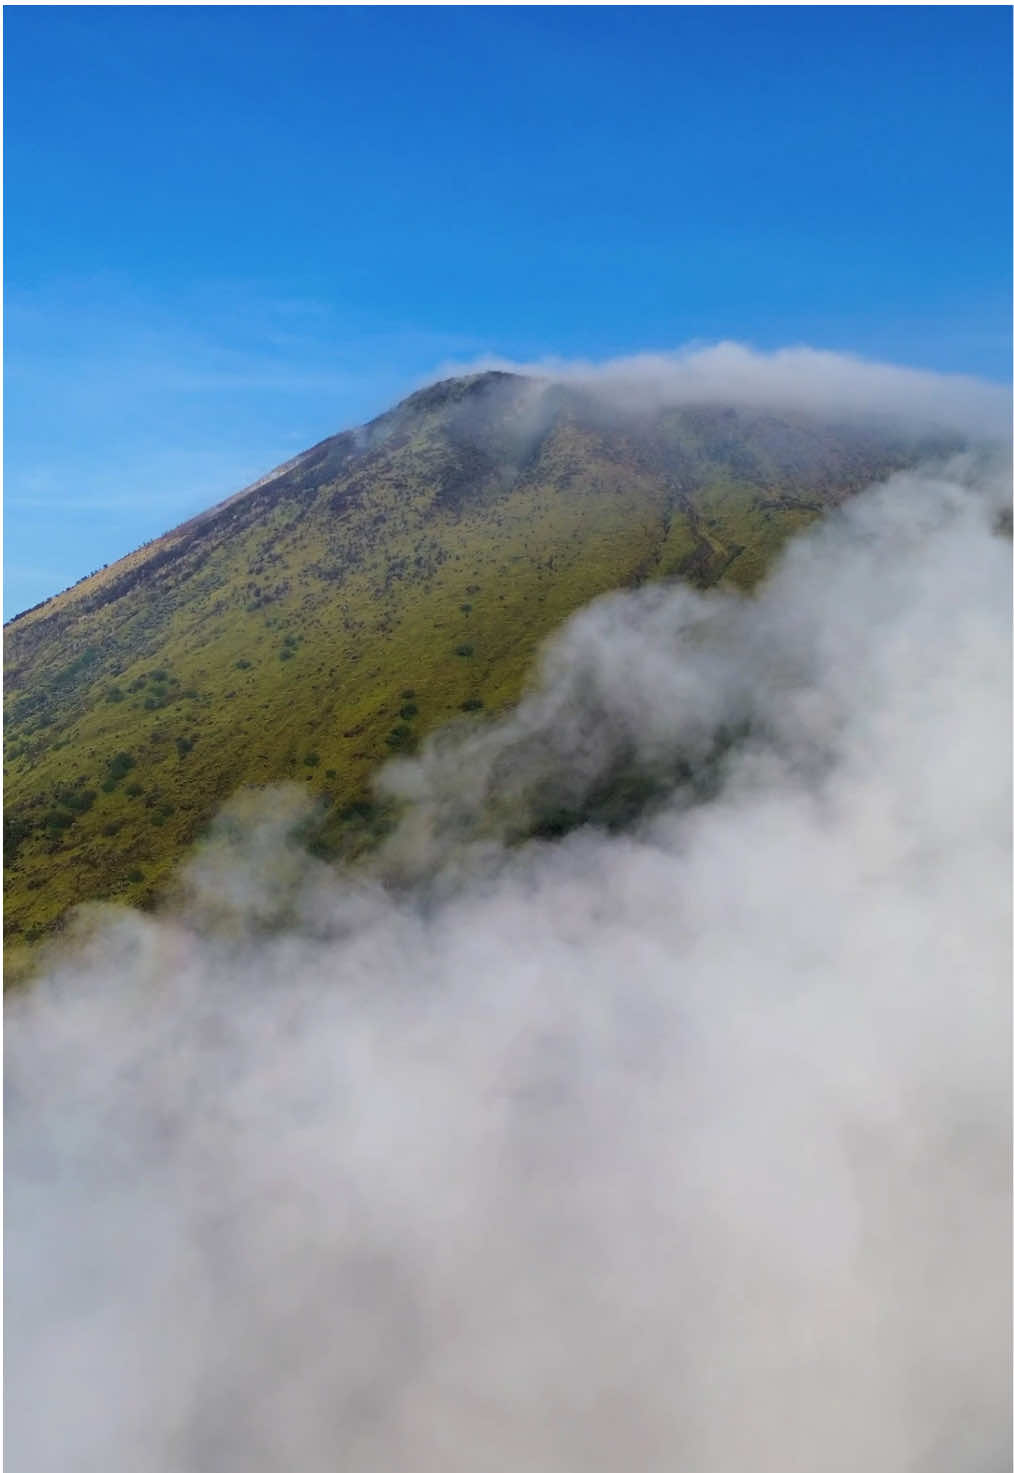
column 797, row 378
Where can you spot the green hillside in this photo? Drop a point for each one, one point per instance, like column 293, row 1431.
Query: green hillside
column 385, row 581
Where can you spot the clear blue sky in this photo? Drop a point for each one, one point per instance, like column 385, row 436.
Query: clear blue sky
column 231, row 231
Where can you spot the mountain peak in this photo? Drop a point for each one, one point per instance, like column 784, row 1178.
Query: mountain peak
column 385, row 581
column 449, row 392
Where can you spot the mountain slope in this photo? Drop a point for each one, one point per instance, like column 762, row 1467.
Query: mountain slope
column 381, row 583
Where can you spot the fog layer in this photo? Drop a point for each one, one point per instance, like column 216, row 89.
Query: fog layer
column 798, row 379
column 683, row 1146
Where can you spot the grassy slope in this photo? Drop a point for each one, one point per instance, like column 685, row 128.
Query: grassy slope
column 311, row 628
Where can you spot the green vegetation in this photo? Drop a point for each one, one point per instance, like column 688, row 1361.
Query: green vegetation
column 340, row 611
column 120, row 765
column 400, row 737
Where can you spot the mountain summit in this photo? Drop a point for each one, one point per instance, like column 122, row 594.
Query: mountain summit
column 386, row 580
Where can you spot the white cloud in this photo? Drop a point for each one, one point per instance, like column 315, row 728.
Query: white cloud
column 800, row 378
column 681, row 1147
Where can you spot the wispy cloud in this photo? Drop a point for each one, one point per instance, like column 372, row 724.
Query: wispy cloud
column 796, row 378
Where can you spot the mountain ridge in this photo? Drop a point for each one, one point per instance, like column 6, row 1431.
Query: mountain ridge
column 386, row 580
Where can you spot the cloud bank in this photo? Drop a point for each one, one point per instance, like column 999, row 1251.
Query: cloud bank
column 800, row 379
column 684, row 1145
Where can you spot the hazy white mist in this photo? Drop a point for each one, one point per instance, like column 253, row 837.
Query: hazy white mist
column 810, row 380
column 685, row 1147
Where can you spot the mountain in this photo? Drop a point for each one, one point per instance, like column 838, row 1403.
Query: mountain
column 385, row 581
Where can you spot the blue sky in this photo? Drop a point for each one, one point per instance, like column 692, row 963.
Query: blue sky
column 232, row 231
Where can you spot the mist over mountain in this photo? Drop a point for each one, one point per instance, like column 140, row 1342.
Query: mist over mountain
column 401, row 576
column 643, row 1101
column 508, row 923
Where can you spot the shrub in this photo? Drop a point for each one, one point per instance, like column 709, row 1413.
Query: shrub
column 399, row 736
column 409, row 710
column 114, row 693
column 464, row 650
column 120, row 765
column 16, row 830
column 474, row 703
column 331, row 772
column 133, row 790
column 408, row 694
column 134, row 876
column 242, row 665
column 360, row 808
column 80, row 801
column 183, row 746
column 312, row 759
